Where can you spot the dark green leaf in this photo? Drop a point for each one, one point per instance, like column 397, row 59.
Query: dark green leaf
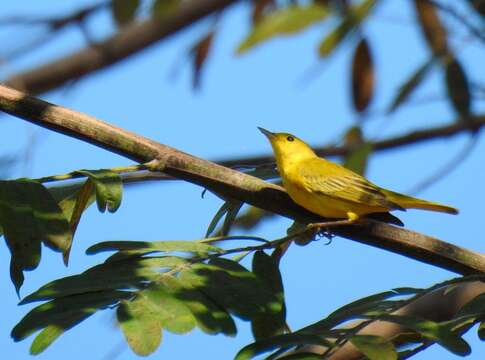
column 29, row 215
column 374, row 347
column 362, row 76
column 269, row 323
column 286, row 340
column 127, row 274
column 154, row 246
column 285, row 21
column 52, row 332
column 458, row 88
column 109, row 188
column 231, row 286
column 138, row 319
column 475, row 307
column 231, row 214
column 217, row 217
column 60, row 311
column 354, row 16
column 411, row 84
column 124, row 11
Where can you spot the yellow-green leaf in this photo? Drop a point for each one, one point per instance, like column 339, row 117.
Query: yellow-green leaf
column 140, row 324
column 285, row 21
column 354, row 16
column 374, row 347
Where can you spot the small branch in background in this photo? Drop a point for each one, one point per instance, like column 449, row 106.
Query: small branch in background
column 477, row 33
column 446, row 169
column 126, row 42
column 475, row 123
column 53, row 27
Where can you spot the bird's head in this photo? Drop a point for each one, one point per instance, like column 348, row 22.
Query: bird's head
column 287, row 147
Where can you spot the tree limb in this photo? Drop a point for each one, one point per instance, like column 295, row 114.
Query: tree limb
column 121, row 45
column 231, row 183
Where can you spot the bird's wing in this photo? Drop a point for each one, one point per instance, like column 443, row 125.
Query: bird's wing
column 335, row 181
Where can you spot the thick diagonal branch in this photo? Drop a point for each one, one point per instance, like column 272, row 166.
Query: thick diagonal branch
column 231, row 183
column 121, row 45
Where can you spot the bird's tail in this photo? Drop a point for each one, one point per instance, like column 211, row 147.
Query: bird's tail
column 409, row 202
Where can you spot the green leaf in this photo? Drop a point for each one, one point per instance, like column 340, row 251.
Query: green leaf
column 154, row 246
column 210, row 317
column 29, row 215
column 374, row 347
column 354, row 16
column 140, row 324
column 231, row 286
column 109, row 188
column 230, row 209
column 269, row 323
column 64, row 310
column 285, row 21
column 475, row 307
column 286, row 340
column 131, row 273
column 411, row 84
column 124, row 11
column 458, row 87
column 52, row 332
column 172, row 313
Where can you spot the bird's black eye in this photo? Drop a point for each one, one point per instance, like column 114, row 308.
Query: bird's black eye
column 290, row 138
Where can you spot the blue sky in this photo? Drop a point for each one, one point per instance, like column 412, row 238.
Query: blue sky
column 267, row 87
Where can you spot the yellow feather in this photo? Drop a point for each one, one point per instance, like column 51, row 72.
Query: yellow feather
column 329, row 189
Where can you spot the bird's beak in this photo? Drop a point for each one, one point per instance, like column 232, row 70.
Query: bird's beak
column 267, row 133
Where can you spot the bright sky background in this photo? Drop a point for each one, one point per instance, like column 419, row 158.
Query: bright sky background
column 265, row 88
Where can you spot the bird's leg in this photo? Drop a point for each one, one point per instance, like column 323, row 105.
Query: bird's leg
column 352, row 218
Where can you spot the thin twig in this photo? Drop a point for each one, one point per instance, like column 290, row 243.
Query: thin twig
column 478, row 33
column 447, row 168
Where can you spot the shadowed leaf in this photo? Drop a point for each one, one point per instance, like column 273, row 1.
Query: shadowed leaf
column 163, row 8
column 458, row 87
column 362, row 76
column 269, row 323
column 109, row 188
column 285, row 21
column 232, row 286
column 127, row 274
column 65, row 310
column 29, row 215
column 153, row 246
column 374, row 347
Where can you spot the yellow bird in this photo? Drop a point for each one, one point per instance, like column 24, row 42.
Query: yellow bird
column 331, row 190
